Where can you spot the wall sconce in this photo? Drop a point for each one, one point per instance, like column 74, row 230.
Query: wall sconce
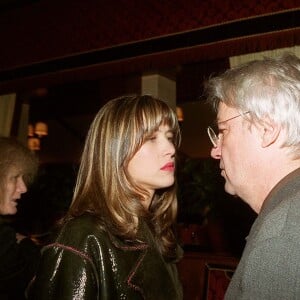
column 41, row 129
column 179, row 113
column 35, row 133
column 34, row 143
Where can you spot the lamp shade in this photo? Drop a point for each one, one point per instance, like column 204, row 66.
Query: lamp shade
column 34, row 144
column 179, row 113
column 41, row 129
column 30, row 130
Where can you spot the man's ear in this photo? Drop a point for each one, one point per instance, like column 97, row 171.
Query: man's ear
column 269, row 132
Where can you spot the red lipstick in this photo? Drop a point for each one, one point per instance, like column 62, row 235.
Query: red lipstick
column 168, row 167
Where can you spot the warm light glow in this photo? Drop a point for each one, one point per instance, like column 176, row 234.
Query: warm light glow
column 35, row 133
column 34, row 144
column 30, row 130
column 41, row 129
column 179, row 113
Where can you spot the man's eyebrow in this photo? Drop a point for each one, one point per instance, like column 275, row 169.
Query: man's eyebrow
column 221, row 122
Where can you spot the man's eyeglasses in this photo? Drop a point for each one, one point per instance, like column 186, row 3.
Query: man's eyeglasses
column 214, row 138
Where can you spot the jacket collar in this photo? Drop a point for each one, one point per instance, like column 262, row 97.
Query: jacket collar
column 145, row 261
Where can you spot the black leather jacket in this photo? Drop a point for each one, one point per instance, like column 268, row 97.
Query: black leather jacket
column 85, row 262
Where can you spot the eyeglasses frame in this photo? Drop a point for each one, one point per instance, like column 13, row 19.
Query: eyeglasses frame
column 214, row 138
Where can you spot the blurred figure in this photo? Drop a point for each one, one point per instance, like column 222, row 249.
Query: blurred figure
column 18, row 254
column 258, row 146
column 117, row 239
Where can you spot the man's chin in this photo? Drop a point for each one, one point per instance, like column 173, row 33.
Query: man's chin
column 229, row 189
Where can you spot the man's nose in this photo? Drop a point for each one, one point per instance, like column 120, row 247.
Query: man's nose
column 216, row 152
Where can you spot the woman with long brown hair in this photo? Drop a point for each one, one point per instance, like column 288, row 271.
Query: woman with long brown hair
column 117, row 240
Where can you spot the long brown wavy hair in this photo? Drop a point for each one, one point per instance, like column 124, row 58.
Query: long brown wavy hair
column 104, row 187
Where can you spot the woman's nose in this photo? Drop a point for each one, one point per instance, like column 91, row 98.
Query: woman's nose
column 22, row 188
column 170, row 148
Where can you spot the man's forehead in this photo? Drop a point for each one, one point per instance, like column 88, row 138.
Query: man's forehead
column 225, row 111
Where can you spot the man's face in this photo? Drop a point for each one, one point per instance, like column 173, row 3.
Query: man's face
column 236, row 150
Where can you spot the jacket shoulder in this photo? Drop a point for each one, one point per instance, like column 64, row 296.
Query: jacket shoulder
column 80, row 235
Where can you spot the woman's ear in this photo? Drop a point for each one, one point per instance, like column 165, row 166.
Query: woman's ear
column 270, row 132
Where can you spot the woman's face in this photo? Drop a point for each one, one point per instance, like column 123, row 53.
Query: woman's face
column 14, row 187
column 153, row 166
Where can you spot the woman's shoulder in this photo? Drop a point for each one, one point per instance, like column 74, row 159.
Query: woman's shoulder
column 7, row 232
column 86, row 224
column 7, row 239
column 79, row 233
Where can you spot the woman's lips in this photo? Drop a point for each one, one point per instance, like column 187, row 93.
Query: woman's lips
column 168, row 167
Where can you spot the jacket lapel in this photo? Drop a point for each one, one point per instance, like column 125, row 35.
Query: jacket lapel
column 147, row 267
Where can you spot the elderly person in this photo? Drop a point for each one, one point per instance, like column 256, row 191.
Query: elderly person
column 257, row 142
column 18, row 254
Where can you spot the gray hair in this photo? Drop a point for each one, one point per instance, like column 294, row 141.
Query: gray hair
column 266, row 88
column 14, row 154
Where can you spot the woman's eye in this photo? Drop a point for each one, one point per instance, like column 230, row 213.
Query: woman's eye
column 171, row 138
column 152, row 138
column 13, row 178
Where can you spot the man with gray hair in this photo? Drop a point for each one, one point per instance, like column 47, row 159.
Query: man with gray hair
column 257, row 142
